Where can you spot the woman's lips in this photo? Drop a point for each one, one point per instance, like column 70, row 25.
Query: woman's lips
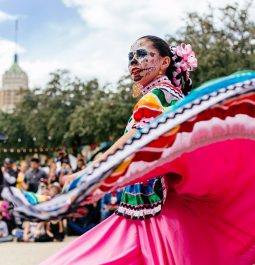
column 136, row 71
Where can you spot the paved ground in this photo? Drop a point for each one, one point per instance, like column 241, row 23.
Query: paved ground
column 13, row 253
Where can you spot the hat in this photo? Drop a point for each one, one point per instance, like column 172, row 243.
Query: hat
column 8, row 161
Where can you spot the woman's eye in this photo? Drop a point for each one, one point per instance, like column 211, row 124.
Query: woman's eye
column 141, row 53
column 130, row 56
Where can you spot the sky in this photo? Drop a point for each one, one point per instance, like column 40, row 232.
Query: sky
column 91, row 38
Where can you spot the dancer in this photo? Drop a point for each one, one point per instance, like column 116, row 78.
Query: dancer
column 161, row 75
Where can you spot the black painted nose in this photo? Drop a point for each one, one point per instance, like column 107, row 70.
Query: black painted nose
column 134, row 61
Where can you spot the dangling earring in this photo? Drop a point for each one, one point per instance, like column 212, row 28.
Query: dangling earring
column 136, row 90
column 160, row 73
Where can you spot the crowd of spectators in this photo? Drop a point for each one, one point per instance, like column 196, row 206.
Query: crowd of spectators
column 48, row 180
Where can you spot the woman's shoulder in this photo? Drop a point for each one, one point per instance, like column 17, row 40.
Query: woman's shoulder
column 167, row 92
column 161, row 96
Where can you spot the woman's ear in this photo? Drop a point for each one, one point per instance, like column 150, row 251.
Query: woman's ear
column 165, row 63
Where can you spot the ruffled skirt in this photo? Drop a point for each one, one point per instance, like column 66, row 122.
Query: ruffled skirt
column 208, row 217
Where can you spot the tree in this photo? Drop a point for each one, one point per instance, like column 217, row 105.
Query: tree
column 103, row 116
column 223, row 40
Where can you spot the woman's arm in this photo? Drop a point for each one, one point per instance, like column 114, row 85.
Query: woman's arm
column 119, row 143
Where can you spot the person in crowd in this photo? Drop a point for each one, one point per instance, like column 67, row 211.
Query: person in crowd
column 80, row 165
column 54, row 228
column 109, row 204
column 84, row 219
column 43, row 187
column 1, row 182
column 80, row 156
column 53, row 176
column 62, row 156
column 4, row 233
column 34, row 175
column 9, row 173
column 30, row 232
column 64, row 172
column 20, row 184
column 54, row 189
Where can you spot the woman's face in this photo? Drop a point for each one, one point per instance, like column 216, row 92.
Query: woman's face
column 144, row 62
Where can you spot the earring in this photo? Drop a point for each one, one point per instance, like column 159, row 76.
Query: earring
column 136, row 90
column 160, row 73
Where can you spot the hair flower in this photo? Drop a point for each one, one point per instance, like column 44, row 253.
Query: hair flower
column 189, row 60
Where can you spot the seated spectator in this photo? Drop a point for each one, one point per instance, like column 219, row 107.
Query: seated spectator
column 109, row 204
column 53, row 177
column 43, row 187
column 34, row 175
column 64, row 172
column 55, row 230
column 54, row 189
column 30, row 232
column 4, row 233
column 80, row 165
column 83, row 219
column 20, row 184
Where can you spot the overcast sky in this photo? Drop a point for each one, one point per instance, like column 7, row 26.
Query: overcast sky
column 91, row 38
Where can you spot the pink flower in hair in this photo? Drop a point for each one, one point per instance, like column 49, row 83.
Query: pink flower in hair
column 189, row 60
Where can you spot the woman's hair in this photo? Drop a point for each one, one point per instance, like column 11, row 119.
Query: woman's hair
column 174, row 72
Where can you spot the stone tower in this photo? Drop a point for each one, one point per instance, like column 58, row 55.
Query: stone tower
column 14, row 81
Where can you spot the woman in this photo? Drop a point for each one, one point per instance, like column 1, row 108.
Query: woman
column 161, row 75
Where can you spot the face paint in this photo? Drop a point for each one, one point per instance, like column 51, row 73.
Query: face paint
column 140, row 54
column 144, row 62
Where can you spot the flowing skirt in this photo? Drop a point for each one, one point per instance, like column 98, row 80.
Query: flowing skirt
column 208, row 217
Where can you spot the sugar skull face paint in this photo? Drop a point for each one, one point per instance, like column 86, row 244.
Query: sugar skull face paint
column 144, row 62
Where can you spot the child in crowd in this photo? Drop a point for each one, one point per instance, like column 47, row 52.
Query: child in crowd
column 64, row 172
column 55, row 228
column 54, row 189
column 30, row 232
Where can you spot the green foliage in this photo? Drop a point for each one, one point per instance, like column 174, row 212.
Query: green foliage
column 223, row 40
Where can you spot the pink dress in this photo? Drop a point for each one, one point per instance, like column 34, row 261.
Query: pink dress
column 208, row 215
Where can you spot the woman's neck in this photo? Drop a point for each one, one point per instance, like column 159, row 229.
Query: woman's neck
column 147, row 88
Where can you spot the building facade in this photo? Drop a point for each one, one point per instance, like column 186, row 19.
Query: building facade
column 14, row 81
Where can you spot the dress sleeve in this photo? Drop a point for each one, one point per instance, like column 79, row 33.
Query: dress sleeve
column 152, row 105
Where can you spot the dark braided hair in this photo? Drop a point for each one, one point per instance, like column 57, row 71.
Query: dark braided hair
column 174, row 72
